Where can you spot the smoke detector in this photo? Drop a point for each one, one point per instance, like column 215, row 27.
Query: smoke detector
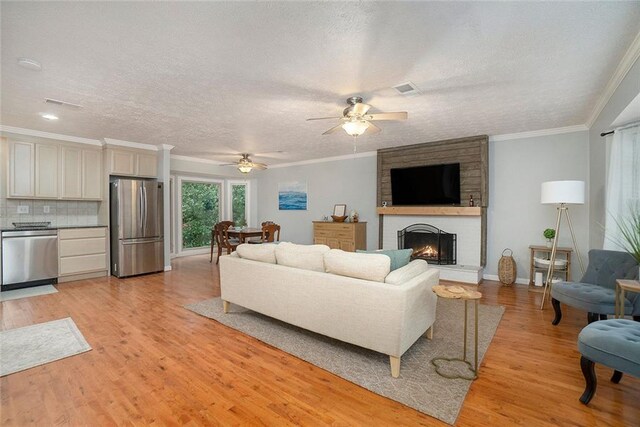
column 407, row 88
column 61, row 103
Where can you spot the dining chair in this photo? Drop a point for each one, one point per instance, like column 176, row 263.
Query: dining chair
column 216, row 238
column 270, row 233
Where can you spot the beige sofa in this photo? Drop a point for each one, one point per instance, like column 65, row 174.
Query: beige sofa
column 347, row 296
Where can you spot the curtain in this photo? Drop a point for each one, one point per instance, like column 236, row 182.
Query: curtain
column 623, row 182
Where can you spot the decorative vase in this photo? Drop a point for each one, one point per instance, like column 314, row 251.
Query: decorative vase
column 549, row 243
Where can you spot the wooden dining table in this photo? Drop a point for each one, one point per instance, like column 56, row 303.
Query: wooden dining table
column 244, row 233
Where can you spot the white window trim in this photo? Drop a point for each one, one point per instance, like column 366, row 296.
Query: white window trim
column 247, row 199
column 180, row 251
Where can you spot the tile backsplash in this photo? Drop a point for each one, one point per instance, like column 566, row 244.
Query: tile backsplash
column 61, row 212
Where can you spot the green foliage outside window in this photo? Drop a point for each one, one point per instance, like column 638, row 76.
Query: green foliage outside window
column 200, row 211
column 238, row 206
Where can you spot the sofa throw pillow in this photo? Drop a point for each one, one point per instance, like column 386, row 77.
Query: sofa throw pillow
column 374, row 267
column 307, row 257
column 406, row 273
column 265, row 252
column 399, row 257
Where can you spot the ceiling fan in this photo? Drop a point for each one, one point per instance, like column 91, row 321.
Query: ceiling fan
column 355, row 120
column 245, row 164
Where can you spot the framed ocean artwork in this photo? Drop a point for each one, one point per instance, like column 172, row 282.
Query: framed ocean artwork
column 292, row 196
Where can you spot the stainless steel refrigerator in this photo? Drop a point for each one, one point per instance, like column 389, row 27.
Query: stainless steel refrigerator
column 137, row 241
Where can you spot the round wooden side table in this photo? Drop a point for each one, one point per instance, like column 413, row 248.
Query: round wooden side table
column 459, row 292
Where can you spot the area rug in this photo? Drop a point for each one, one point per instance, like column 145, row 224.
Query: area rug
column 27, row 292
column 419, row 386
column 35, row 345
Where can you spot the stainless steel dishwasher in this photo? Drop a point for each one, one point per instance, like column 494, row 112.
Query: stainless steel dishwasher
column 29, row 258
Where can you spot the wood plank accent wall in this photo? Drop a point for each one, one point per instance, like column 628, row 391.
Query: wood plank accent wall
column 472, row 153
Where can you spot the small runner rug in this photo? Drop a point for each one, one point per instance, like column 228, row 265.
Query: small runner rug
column 35, row 345
column 419, row 386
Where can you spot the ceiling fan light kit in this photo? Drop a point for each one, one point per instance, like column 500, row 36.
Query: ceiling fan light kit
column 355, row 127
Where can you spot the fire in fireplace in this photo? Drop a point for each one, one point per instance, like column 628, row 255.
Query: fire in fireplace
column 429, row 243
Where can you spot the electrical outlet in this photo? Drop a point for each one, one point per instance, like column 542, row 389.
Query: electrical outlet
column 23, row 209
column 45, row 209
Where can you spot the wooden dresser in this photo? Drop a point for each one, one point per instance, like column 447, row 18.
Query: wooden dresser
column 347, row 236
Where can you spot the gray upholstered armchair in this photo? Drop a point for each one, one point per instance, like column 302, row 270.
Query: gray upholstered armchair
column 595, row 293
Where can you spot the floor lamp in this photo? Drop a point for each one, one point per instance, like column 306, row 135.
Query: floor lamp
column 561, row 193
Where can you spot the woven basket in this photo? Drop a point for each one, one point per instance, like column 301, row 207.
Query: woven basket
column 507, row 268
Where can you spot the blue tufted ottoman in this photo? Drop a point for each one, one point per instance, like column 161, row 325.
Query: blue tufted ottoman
column 613, row 343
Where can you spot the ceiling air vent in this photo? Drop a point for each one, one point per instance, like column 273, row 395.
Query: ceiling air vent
column 407, row 88
column 61, row 103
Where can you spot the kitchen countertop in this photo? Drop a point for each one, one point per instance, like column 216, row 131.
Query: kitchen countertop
column 55, row 227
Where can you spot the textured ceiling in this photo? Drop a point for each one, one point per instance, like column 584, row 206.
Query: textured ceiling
column 231, row 76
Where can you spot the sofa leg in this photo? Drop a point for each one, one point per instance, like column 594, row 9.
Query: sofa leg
column 636, row 318
column 556, row 308
column 590, row 379
column 592, row 317
column 429, row 333
column 603, row 317
column 617, row 376
column 225, row 306
column 395, row 366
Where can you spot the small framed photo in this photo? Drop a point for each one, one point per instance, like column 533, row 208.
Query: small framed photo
column 339, row 210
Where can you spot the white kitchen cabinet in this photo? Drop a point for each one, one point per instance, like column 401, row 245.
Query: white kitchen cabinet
column 54, row 171
column 21, row 169
column 132, row 163
column 82, row 253
column 71, row 173
column 147, row 165
column 122, row 162
column 91, row 174
column 46, row 171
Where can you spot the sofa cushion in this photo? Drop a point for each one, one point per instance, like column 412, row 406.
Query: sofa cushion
column 406, row 273
column 307, row 257
column 614, row 343
column 399, row 257
column 588, row 297
column 265, row 252
column 374, row 267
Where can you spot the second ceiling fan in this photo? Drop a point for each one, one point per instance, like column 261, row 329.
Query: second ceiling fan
column 355, row 119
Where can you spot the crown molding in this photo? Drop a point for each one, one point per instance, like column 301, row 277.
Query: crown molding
column 196, row 159
column 629, row 58
column 325, row 159
column 129, row 144
column 49, row 135
column 541, row 132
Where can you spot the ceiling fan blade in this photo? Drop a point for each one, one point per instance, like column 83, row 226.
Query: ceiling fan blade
column 260, row 166
column 228, row 164
column 372, row 129
column 271, row 154
column 333, row 129
column 399, row 115
column 360, row 108
column 323, row 118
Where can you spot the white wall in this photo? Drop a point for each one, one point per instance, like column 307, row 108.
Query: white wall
column 516, row 219
column 351, row 181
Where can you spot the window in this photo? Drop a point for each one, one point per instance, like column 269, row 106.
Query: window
column 239, row 202
column 200, row 210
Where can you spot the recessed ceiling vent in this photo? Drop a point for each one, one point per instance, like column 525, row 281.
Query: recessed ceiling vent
column 62, row 103
column 407, row 88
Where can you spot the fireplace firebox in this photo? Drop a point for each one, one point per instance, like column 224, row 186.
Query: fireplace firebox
column 429, row 243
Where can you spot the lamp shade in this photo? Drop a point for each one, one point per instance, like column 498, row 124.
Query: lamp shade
column 556, row 192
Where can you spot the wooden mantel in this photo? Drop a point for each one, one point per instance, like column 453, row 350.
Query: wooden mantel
column 430, row 210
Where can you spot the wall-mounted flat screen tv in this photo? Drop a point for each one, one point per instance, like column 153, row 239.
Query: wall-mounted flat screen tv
column 426, row 185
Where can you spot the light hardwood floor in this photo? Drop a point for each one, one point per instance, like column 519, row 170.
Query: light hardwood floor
column 154, row 362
